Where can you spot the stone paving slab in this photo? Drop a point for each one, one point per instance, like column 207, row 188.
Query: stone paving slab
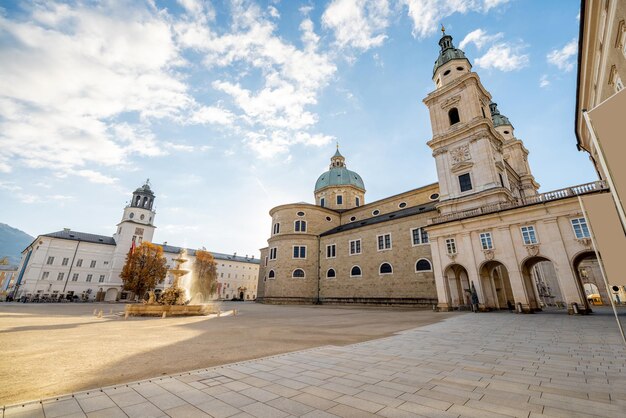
column 472, row 365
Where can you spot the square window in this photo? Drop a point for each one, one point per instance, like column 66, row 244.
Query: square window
column 419, row 236
column 357, row 201
column 50, row 260
column 355, row 247
column 75, row 277
column 89, row 277
column 331, row 251
column 465, row 182
column 273, row 253
column 580, row 228
column 528, row 235
column 79, row 262
column 45, row 275
column 65, row 261
column 339, row 199
column 299, row 251
column 60, row 276
column 101, row 279
column 451, row 246
column 93, row 264
column 384, row 242
column 323, row 202
column 485, row 241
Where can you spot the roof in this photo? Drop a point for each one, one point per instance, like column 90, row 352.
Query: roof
column 8, row 267
column 414, row 210
column 81, row 236
column 218, row 256
column 339, row 176
column 448, row 53
column 578, row 110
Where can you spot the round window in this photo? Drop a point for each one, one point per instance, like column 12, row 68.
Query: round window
column 447, row 72
column 459, row 68
column 352, row 219
column 434, row 196
column 402, row 205
column 506, row 132
column 328, row 218
column 132, row 215
column 376, row 212
column 300, row 214
column 142, row 217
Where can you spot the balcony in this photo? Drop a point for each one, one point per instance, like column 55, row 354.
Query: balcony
column 525, row 201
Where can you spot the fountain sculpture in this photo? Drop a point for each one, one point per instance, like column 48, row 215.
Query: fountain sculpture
column 173, row 300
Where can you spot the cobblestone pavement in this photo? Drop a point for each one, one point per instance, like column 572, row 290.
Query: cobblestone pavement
column 474, row 365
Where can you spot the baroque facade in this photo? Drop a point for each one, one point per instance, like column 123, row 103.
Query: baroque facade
column 483, row 235
column 68, row 263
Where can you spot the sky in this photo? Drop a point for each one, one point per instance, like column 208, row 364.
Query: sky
column 232, row 107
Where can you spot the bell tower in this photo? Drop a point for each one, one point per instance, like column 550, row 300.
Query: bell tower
column 137, row 224
column 466, row 147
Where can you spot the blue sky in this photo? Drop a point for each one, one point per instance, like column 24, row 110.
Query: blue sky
column 234, row 107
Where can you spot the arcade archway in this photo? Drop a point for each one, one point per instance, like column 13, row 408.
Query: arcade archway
column 457, row 282
column 496, row 285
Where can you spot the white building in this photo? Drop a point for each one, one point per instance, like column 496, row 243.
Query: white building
column 69, row 264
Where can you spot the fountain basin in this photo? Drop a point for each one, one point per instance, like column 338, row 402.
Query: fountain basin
column 170, row 310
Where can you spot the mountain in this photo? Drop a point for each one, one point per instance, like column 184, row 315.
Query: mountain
column 12, row 242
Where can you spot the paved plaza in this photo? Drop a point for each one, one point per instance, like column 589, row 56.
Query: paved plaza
column 474, row 365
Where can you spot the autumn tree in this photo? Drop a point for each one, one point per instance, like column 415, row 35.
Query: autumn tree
column 205, row 275
column 4, row 261
column 145, row 268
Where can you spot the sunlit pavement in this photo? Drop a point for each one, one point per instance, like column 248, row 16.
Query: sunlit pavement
column 482, row 365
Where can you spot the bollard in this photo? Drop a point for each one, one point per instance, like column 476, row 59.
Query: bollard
column 100, row 314
column 218, row 313
column 164, row 315
column 575, row 308
column 126, row 315
column 95, row 312
column 519, row 307
column 234, row 312
column 111, row 311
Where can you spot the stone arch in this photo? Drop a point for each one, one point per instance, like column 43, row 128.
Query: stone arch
column 496, row 285
column 456, row 280
column 540, row 283
column 588, row 276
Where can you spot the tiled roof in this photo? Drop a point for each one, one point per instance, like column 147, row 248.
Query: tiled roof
column 81, row 236
column 428, row 207
column 218, row 256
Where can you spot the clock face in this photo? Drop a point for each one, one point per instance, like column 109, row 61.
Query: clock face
column 132, row 215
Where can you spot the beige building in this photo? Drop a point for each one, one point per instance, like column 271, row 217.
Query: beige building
column 483, row 235
column 599, row 126
column 69, row 264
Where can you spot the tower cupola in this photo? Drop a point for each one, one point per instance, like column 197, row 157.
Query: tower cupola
column 451, row 62
column 143, row 197
column 497, row 118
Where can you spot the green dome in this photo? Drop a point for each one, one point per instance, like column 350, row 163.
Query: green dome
column 496, row 117
column 448, row 53
column 339, row 176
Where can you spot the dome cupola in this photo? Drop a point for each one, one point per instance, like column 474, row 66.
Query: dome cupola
column 339, row 188
column 448, row 52
column 497, row 118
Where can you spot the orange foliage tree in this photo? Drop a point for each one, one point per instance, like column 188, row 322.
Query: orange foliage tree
column 205, row 270
column 145, row 268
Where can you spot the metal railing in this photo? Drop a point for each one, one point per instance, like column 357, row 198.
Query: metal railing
column 524, row 201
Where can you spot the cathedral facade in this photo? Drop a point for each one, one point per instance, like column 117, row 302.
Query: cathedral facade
column 482, row 236
column 76, row 265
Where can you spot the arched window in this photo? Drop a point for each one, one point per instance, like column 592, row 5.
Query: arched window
column 331, row 273
column 271, row 274
column 423, row 265
column 298, row 274
column 137, row 200
column 355, row 272
column 300, row 226
column 145, row 202
column 385, row 268
column 453, row 114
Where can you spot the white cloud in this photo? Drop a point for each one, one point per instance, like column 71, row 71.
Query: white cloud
column 179, row 147
column 92, row 176
column 503, row 57
column 562, row 58
column 357, row 23
column 543, row 81
column 427, row 15
column 480, row 38
column 490, row 4
column 212, row 115
column 10, row 186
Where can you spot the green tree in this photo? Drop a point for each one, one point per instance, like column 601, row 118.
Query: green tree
column 205, row 275
column 145, row 268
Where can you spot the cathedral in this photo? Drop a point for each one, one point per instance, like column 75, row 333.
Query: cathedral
column 482, row 236
column 71, row 265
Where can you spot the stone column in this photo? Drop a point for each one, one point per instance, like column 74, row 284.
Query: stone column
column 443, row 293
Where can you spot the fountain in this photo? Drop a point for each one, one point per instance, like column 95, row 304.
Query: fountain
column 173, row 300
